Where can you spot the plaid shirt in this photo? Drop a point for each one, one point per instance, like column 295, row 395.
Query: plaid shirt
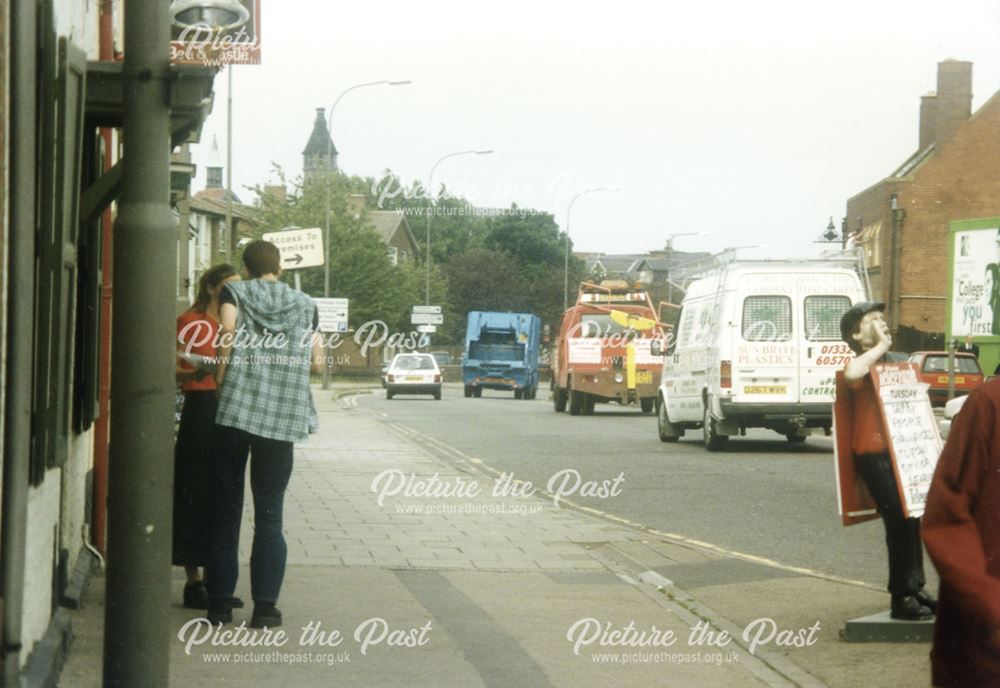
column 266, row 388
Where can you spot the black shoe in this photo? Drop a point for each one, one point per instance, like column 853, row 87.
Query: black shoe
column 265, row 614
column 909, row 608
column 220, row 612
column 195, row 596
column 927, row 599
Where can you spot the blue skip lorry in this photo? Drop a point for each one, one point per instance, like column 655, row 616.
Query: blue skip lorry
column 501, row 352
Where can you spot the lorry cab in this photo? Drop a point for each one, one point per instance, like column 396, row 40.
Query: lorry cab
column 757, row 344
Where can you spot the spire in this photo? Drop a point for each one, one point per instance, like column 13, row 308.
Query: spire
column 214, row 167
column 320, row 155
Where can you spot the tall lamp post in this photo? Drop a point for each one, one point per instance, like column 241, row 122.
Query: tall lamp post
column 430, row 211
column 569, row 210
column 329, row 157
column 670, row 260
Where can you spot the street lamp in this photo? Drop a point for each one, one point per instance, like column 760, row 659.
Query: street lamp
column 670, row 259
column 569, row 210
column 829, row 236
column 329, row 157
column 430, row 209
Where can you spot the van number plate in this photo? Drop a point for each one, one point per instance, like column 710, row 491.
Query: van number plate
column 765, row 389
column 643, row 377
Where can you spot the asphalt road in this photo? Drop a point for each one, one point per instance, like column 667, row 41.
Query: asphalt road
column 762, row 497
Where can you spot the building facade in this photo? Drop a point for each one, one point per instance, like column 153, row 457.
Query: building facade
column 902, row 221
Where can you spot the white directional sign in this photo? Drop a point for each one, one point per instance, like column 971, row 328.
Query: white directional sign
column 300, row 248
column 426, row 318
column 332, row 314
column 426, row 329
column 426, row 315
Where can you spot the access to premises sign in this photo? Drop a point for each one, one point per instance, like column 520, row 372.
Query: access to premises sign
column 227, row 32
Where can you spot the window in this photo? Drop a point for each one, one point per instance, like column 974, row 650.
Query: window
column 767, row 319
column 823, row 314
column 392, row 253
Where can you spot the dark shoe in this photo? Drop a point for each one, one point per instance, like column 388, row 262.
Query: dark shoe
column 265, row 614
column 927, row 599
column 195, row 596
column 909, row 608
column 220, row 612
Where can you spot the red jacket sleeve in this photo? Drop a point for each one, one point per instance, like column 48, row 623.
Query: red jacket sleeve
column 954, row 513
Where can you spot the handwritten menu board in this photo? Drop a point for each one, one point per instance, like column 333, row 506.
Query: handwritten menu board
column 914, row 441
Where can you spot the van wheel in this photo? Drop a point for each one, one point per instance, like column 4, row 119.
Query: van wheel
column 667, row 430
column 713, row 440
column 575, row 402
column 794, row 438
column 468, row 391
column 559, row 399
column 646, row 404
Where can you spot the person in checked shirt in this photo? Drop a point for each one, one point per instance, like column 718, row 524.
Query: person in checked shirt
column 268, row 346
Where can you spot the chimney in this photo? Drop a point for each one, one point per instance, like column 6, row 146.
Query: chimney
column 928, row 119
column 275, row 192
column 954, row 97
column 355, row 204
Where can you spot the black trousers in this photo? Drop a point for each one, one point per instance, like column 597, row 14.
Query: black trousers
column 902, row 535
column 270, row 470
column 192, row 476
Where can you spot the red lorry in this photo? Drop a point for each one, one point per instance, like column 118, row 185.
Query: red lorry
column 603, row 352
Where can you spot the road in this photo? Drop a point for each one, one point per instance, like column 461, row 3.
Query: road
column 762, row 497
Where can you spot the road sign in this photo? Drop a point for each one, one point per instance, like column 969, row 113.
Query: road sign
column 426, row 329
column 332, row 314
column 426, row 318
column 435, row 310
column 300, row 248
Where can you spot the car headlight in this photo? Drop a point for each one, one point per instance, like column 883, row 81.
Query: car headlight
column 619, row 378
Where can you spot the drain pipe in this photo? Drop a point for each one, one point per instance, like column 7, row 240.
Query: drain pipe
column 137, row 627
column 20, row 324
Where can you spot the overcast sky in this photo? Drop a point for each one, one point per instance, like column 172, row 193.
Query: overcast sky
column 750, row 121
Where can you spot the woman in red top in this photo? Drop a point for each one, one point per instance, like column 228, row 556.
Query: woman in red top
column 196, row 333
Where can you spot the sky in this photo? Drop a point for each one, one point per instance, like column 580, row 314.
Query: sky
column 744, row 124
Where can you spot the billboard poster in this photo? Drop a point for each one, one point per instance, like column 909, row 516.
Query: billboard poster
column 975, row 280
column 215, row 34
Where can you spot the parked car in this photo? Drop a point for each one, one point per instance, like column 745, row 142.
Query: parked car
column 933, row 369
column 951, row 410
column 443, row 358
column 413, row 374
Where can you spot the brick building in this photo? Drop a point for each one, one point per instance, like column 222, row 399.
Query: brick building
column 902, row 222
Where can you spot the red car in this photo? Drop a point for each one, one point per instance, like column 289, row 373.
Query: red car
column 933, row 368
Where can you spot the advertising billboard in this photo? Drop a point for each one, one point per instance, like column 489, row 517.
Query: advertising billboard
column 974, row 298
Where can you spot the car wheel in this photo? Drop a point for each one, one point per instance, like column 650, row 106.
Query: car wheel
column 559, row 399
column 794, row 438
column 647, row 403
column 437, row 395
column 713, row 440
column 668, row 431
column 388, row 394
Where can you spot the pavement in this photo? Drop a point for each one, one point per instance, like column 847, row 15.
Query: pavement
column 407, row 566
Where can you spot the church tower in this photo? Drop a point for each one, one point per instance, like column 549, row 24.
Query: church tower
column 320, row 155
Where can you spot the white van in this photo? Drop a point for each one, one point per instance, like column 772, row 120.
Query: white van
column 756, row 345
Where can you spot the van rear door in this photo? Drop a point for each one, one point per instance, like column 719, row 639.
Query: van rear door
column 765, row 367
column 821, row 352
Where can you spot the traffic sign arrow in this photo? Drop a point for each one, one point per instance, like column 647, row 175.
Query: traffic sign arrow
column 297, row 258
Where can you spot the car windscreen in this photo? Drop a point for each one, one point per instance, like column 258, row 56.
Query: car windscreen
column 939, row 364
column 413, row 363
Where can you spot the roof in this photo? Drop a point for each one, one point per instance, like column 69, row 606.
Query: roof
column 217, row 206
column 319, row 142
column 387, row 222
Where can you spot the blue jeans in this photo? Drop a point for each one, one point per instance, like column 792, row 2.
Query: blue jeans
column 270, row 469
